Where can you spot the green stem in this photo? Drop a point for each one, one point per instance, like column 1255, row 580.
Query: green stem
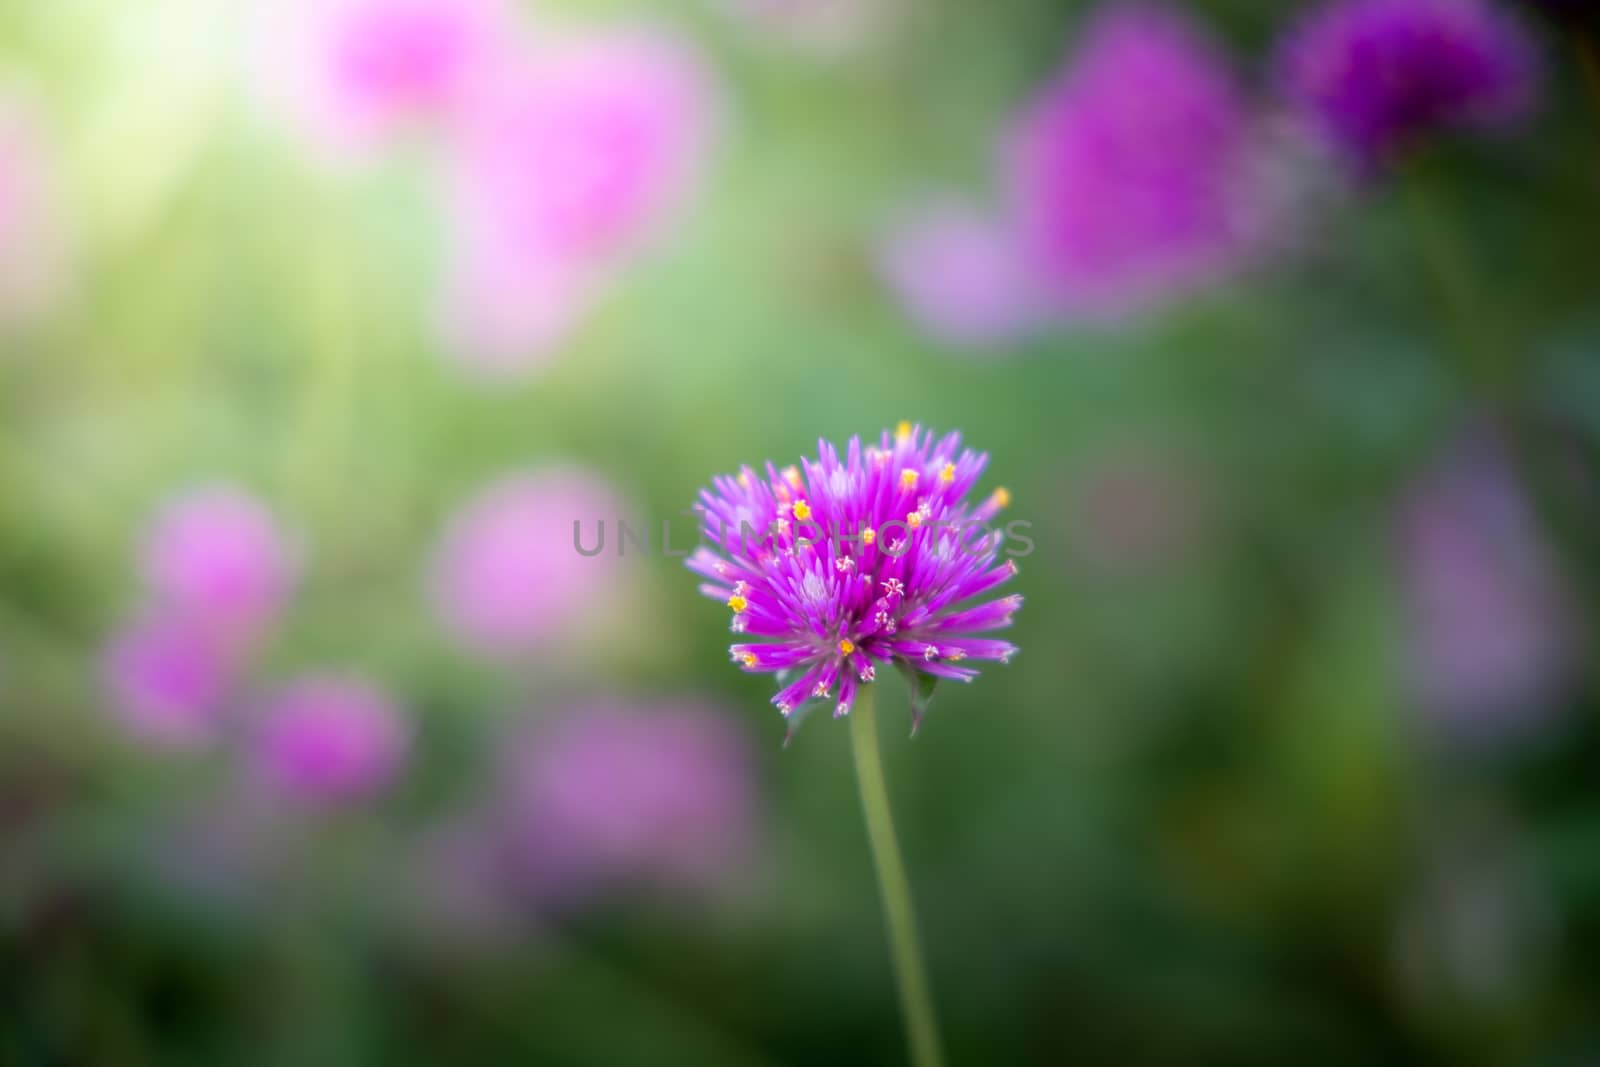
column 916, row 1003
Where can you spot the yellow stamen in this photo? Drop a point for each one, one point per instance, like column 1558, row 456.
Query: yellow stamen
column 738, row 603
column 847, row 646
column 802, row 510
column 868, row 536
column 957, row 655
column 948, row 475
column 902, row 432
column 914, row 519
column 908, row 479
column 1001, row 497
column 792, row 476
column 749, row 659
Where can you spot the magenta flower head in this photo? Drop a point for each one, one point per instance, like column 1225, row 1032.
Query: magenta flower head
column 1492, row 636
column 326, row 739
column 351, row 74
column 216, row 556
column 508, row 574
column 842, row 566
column 611, row 792
column 566, row 166
column 1377, row 75
column 1130, row 173
column 167, row 679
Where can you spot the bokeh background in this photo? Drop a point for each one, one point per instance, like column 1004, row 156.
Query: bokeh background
column 323, row 321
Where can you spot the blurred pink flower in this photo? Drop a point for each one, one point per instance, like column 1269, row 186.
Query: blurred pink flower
column 1128, row 172
column 351, row 74
column 612, row 793
column 167, row 679
column 329, row 739
column 216, row 556
column 568, row 164
column 1491, row 632
column 507, row 574
column 33, row 237
column 961, row 277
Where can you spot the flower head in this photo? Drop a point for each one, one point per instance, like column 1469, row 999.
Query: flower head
column 886, row 569
column 508, row 574
column 1130, row 171
column 328, row 739
column 960, row 276
column 167, row 678
column 568, row 164
column 215, row 555
column 1491, row 640
column 613, row 792
column 1375, row 75
column 351, row 73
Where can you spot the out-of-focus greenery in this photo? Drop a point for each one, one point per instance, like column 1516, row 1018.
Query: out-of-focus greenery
column 1194, row 821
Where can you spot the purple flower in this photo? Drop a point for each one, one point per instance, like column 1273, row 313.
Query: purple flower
column 1132, row 172
column 167, row 679
column 844, row 566
column 328, row 739
column 508, row 575
column 1376, row 75
column 353, row 73
column 567, row 166
column 960, row 276
column 611, row 793
column 1491, row 639
column 215, row 555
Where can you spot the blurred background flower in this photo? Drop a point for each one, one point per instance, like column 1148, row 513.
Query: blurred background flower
column 1376, row 75
column 508, row 578
column 609, row 795
column 328, row 739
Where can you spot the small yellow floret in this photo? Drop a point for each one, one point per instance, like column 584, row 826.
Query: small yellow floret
column 792, row 476
column 908, row 479
column 749, row 659
column 868, row 536
column 902, row 432
column 802, row 510
column 914, row 519
column 1002, row 497
column 738, row 603
column 948, row 475
column 847, row 646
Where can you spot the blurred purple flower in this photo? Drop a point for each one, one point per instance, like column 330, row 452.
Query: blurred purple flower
column 1375, row 75
column 567, row 165
column 612, row 793
column 961, row 276
column 167, row 679
column 507, row 574
column 33, row 238
column 353, row 73
column 1491, row 638
column 326, row 739
column 1131, row 172
column 216, row 556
